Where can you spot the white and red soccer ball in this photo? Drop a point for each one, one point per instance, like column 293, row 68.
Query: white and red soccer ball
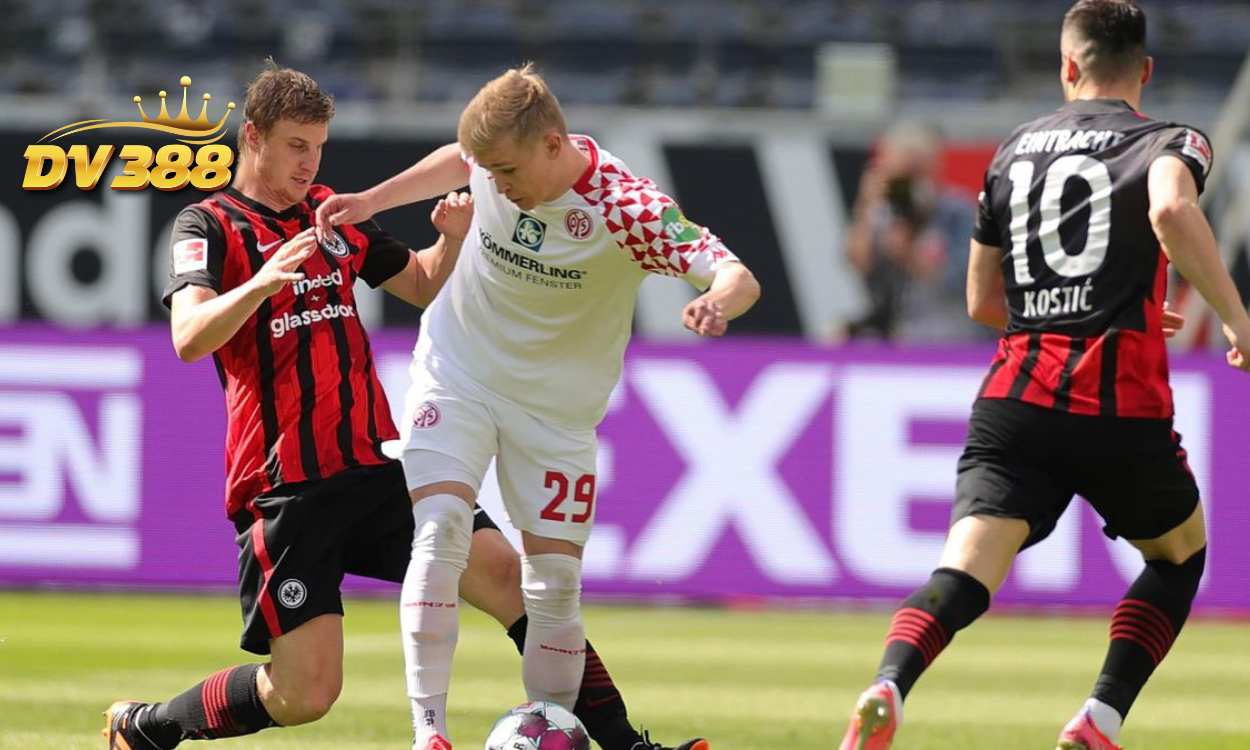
column 538, row 726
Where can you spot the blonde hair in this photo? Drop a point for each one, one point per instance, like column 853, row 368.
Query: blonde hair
column 517, row 102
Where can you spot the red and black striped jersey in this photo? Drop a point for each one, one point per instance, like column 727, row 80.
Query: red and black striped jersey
column 1066, row 199
column 303, row 398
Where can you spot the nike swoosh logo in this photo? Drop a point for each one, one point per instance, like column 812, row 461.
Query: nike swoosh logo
column 591, row 703
column 267, row 246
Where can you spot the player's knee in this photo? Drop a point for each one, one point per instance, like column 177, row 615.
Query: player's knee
column 444, row 530
column 317, row 703
column 506, row 573
column 552, row 587
column 308, row 700
column 1185, row 555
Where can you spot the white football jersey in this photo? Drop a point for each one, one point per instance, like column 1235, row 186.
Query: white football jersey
column 540, row 304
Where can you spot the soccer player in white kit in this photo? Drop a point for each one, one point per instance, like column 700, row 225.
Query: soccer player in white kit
column 516, row 359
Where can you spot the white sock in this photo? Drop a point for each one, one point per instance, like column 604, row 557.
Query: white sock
column 555, row 644
column 429, row 613
column 1106, row 718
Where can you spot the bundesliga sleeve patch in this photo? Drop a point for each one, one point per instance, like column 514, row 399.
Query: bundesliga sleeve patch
column 1197, row 148
column 190, row 255
column 677, row 227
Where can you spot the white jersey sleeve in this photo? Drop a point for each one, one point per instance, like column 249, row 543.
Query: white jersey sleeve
column 650, row 226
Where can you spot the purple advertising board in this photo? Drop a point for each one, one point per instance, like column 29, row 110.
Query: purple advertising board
column 741, row 469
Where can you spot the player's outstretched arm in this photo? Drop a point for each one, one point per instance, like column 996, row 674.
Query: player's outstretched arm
column 1189, row 243
column 201, row 321
column 440, row 172
column 987, row 292
column 428, row 269
column 733, row 291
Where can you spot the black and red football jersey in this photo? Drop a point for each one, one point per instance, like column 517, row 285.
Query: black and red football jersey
column 1066, row 199
column 303, row 398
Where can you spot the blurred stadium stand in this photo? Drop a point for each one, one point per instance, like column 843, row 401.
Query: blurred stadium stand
column 685, row 90
column 734, row 53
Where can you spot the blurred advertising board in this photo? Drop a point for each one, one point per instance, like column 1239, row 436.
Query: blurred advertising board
column 736, row 470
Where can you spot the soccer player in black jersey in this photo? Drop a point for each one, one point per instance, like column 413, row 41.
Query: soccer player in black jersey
column 309, row 491
column 1081, row 212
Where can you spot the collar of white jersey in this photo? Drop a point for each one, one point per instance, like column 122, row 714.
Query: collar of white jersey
column 587, row 146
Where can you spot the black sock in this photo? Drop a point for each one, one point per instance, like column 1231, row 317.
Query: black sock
column 599, row 704
column 925, row 624
column 227, row 704
column 1144, row 626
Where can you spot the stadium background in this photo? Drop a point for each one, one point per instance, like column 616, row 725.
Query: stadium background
column 780, row 466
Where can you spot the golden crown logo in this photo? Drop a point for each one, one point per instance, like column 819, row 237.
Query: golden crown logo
column 181, row 125
column 171, row 167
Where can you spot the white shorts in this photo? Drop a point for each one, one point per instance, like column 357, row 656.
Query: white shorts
column 546, row 472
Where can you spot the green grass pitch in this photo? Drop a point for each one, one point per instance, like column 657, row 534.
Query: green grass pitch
column 748, row 680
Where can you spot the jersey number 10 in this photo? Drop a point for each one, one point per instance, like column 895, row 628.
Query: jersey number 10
column 1098, row 230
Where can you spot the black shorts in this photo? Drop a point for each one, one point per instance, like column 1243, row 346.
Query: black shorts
column 292, row 559
column 1025, row 461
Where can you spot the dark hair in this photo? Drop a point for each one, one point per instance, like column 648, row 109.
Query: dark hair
column 281, row 93
column 1106, row 37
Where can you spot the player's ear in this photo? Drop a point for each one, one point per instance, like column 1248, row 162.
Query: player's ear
column 1068, row 71
column 552, row 143
column 251, row 134
column 1148, row 70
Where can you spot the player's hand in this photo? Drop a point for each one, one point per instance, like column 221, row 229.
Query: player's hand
column 452, row 216
column 279, row 270
column 704, row 317
column 1172, row 322
column 1239, row 354
column 342, row 208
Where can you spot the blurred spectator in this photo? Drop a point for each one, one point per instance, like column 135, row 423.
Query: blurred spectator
column 908, row 240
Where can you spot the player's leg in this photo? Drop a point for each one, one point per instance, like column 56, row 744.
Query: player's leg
column 1003, row 504
column 554, row 658
column 298, row 685
column 447, row 445
column 547, row 479
column 429, row 618
column 1153, row 502
column 289, row 576
column 975, row 561
column 492, row 583
column 492, row 580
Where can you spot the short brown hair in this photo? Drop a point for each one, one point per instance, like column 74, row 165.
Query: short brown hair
column 281, row 93
column 517, row 102
column 1106, row 37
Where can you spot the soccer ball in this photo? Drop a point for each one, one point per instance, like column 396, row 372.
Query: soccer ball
column 538, row 726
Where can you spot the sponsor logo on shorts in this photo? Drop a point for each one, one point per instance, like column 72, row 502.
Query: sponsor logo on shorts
column 577, row 223
column 292, row 593
column 426, row 416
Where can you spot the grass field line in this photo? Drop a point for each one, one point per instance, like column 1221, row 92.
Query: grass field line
column 749, row 679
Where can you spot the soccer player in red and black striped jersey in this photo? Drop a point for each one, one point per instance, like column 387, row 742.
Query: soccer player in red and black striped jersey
column 309, row 491
column 1081, row 213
